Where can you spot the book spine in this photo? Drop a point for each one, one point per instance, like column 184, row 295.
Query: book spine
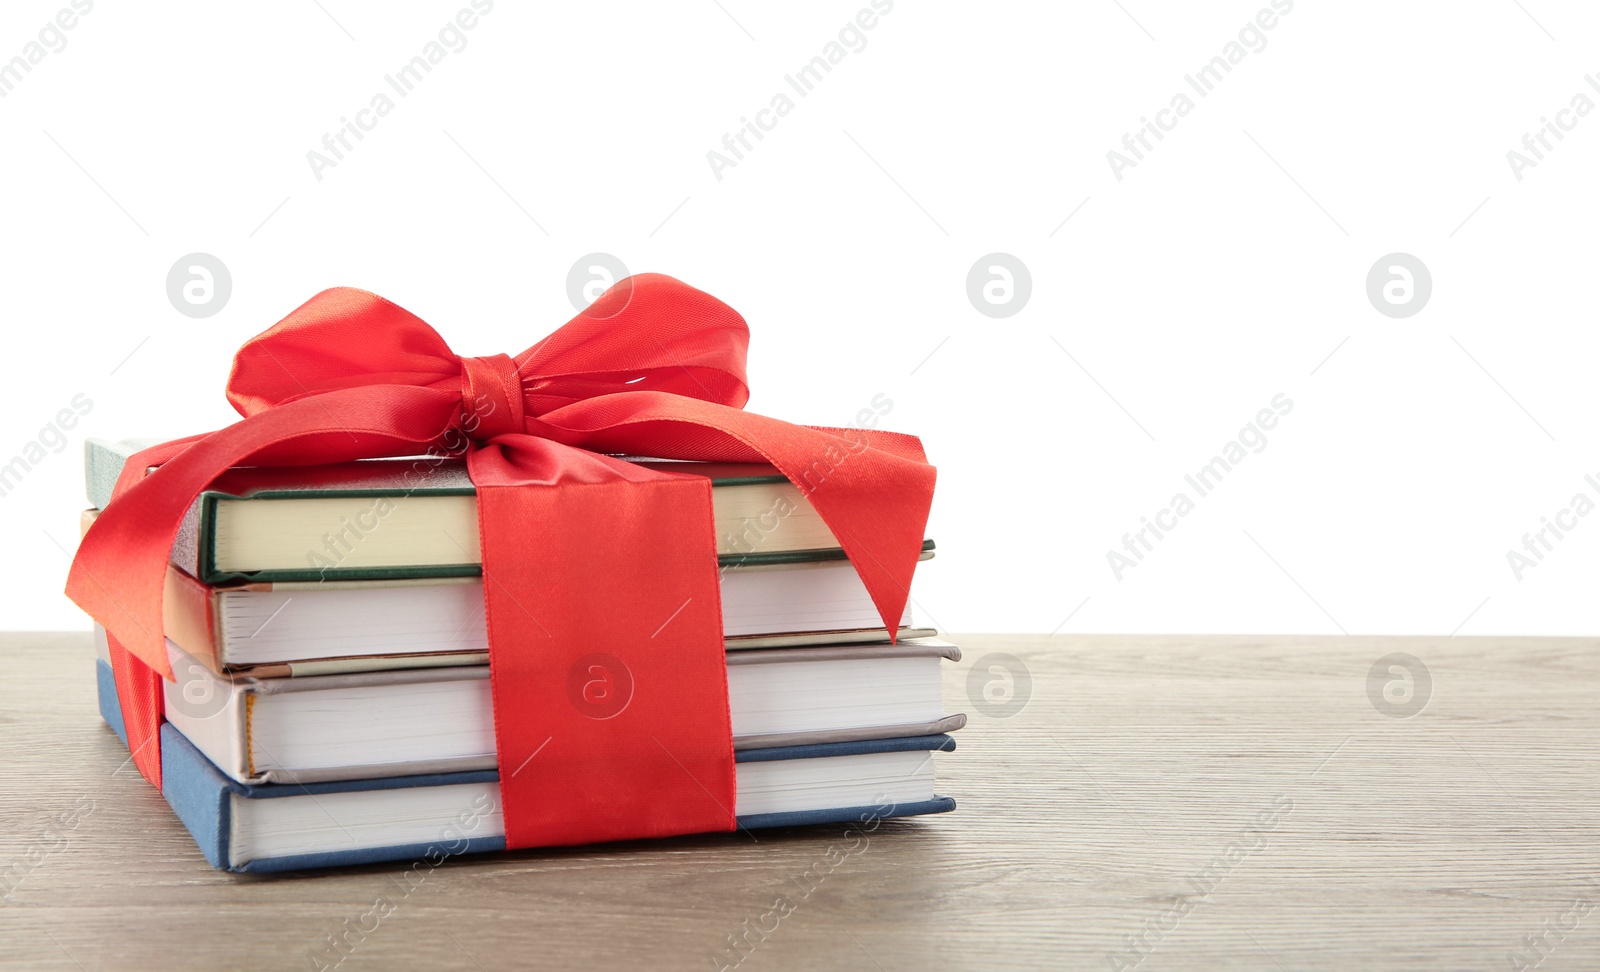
column 191, row 613
column 102, row 464
column 195, row 790
column 200, row 795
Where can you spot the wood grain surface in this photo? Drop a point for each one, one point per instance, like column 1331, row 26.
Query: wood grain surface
column 1157, row 803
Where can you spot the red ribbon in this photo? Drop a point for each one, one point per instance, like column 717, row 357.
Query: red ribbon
column 605, row 628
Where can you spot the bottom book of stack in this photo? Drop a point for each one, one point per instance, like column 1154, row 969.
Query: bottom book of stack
column 821, row 735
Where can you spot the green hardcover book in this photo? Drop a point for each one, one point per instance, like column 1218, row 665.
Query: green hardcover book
column 386, row 519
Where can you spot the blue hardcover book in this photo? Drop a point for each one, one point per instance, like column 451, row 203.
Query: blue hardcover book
column 428, row 818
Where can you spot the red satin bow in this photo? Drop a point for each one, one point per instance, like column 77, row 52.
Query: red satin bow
column 580, row 551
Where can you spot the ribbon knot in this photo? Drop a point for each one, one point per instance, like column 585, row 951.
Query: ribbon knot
column 491, row 397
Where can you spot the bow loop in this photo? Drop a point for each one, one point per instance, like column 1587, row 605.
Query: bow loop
column 648, row 332
column 341, row 338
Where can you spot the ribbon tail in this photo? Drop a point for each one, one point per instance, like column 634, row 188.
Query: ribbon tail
column 127, row 548
column 873, row 490
column 140, row 696
column 119, row 573
column 139, row 692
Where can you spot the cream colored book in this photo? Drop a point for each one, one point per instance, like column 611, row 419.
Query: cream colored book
column 384, row 519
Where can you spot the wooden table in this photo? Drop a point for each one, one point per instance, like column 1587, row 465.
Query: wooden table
column 1158, row 803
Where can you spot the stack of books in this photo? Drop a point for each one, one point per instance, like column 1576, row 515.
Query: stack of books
column 331, row 697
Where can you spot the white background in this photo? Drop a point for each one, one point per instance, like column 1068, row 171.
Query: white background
column 1173, row 305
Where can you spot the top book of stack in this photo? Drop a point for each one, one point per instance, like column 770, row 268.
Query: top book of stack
column 387, row 519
